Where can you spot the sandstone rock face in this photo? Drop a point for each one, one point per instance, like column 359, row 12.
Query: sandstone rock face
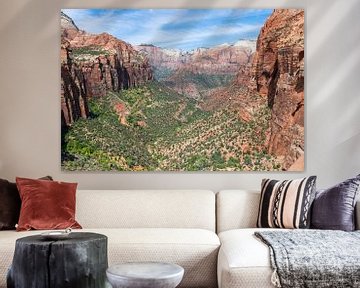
column 73, row 88
column 220, row 59
column 275, row 77
column 67, row 23
column 91, row 65
column 198, row 73
column 164, row 58
column 278, row 70
column 68, row 27
column 108, row 63
column 223, row 58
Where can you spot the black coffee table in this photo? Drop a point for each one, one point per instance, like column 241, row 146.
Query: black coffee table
column 80, row 261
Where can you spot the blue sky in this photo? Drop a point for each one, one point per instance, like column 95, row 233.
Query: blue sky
column 184, row 29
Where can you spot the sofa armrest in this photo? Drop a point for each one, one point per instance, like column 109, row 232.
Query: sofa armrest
column 357, row 215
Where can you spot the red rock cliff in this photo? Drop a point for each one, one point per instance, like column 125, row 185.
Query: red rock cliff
column 73, row 88
column 278, row 71
column 91, row 65
column 276, row 74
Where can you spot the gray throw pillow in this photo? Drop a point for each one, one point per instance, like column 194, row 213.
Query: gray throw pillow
column 334, row 208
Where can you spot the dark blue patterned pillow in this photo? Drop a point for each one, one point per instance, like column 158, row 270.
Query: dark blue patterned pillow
column 334, row 208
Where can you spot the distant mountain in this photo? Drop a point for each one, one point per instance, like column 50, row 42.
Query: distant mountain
column 196, row 72
column 162, row 58
column 250, row 44
column 224, row 58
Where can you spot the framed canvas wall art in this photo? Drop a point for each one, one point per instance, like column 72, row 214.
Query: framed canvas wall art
column 182, row 90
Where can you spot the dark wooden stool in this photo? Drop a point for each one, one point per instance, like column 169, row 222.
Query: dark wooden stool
column 78, row 261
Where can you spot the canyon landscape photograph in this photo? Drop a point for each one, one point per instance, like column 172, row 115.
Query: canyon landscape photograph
column 182, row 90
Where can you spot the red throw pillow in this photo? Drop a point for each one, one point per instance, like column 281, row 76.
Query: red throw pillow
column 46, row 204
column 10, row 204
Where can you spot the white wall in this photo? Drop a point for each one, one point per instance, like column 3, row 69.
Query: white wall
column 30, row 87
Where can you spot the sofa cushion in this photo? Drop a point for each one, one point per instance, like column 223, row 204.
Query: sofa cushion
column 153, row 209
column 244, row 261
column 286, row 204
column 334, row 208
column 236, row 209
column 194, row 249
column 46, row 204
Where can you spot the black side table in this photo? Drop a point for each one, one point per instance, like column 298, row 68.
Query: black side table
column 78, row 261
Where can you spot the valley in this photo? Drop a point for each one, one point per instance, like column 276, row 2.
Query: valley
column 157, row 129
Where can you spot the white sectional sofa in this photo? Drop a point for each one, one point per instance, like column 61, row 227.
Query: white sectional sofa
column 177, row 226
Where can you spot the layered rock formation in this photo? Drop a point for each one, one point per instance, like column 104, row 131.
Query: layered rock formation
column 91, row 65
column 67, row 23
column 162, row 57
column 276, row 74
column 278, row 70
column 73, row 88
column 197, row 73
column 223, row 58
column 108, row 63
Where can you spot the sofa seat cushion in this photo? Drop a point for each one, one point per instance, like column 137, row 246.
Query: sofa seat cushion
column 244, row 261
column 194, row 249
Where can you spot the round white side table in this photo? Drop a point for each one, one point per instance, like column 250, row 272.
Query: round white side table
column 145, row 275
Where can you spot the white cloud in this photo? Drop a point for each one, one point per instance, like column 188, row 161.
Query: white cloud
column 200, row 36
column 132, row 29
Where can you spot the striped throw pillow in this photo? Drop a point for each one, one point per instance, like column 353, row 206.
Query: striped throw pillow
column 286, row 204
